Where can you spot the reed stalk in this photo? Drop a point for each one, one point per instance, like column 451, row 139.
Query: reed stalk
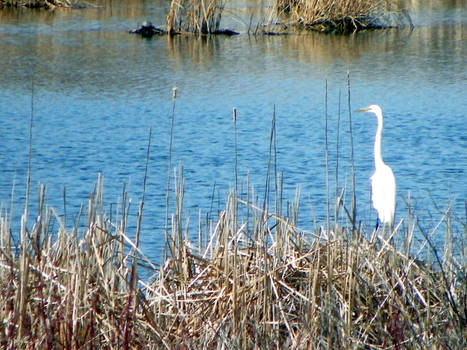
column 353, row 207
column 169, row 169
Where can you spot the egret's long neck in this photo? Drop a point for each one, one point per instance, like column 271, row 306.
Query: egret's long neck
column 378, row 158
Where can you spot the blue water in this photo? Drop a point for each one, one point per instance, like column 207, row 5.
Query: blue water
column 98, row 90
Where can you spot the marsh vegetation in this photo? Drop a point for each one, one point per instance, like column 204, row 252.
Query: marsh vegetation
column 47, row 4
column 252, row 278
column 286, row 16
column 250, row 282
column 342, row 16
column 194, row 16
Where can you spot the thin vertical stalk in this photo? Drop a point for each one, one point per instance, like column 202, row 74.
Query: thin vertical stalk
column 179, row 194
column 235, row 267
column 234, row 119
column 28, row 176
column 278, row 184
column 234, row 208
column 169, row 166
column 211, row 205
column 123, row 222
column 276, row 179
column 353, row 208
column 131, row 312
column 64, row 206
column 247, row 200
column 328, row 245
column 36, row 232
column 326, row 156
column 352, row 163
column 268, row 173
column 12, row 201
column 24, row 265
column 336, row 194
column 140, row 209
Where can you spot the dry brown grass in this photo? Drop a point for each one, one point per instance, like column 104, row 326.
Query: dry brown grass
column 194, row 16
column 317, row 10
column 48, row 4
column 63, row 289
column 336, row 15
column 334, row 292
column 257, row 283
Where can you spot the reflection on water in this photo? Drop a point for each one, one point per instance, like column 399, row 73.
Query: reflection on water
column 99, row 89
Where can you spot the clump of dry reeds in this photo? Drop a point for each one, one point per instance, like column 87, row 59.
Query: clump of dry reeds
column 254, row 281
column 336, row 292
column 194, row 16
column 47, row 4
column 337, row 15
column 67, row 290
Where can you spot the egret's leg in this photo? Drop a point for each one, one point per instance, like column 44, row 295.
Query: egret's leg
column 377, row 224
column 375, row 231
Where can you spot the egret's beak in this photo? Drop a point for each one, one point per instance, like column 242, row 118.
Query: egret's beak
column 362, row 110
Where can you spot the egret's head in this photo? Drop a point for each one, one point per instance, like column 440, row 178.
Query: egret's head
column 372, row 109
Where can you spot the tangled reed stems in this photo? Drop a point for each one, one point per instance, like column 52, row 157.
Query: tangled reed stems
column 194, row 16
column 341, row 15
column 256, row 283
column 48, row 4
column 338, row 292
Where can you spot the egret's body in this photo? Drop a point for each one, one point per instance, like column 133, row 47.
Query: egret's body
column 383, row 183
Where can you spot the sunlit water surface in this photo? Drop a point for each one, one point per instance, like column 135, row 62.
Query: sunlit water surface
column 98, row 90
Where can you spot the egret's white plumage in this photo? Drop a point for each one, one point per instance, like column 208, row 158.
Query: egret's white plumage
column 383, row 183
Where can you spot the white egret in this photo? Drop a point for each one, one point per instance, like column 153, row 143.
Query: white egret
column 383, row 183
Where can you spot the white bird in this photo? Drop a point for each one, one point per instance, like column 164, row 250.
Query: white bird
column 383, row 183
